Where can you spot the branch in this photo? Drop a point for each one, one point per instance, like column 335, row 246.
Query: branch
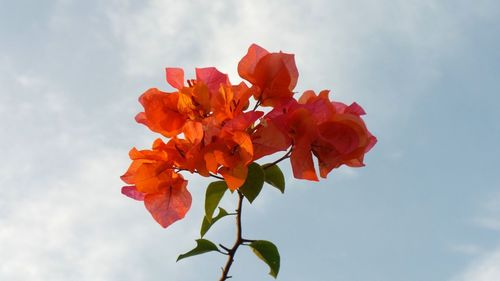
column 287, row 155
column 215, row 176
column 239, row 240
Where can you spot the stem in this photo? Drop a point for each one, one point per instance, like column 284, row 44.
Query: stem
column 215, row 176
column 287, row 155
column 177, row 170
column 257, row 104
column 239, row 240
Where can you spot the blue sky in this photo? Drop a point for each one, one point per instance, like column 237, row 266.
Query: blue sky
column 426, row 206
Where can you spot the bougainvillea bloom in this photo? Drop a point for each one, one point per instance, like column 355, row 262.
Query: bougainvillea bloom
column 214, row 129
column 273, row 75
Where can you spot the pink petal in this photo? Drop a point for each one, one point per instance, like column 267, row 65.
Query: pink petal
column 355, row 109
column 211, row 77
column 132, row 192
column 175, row 77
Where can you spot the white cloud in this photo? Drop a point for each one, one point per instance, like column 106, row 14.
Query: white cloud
column 61, row 214
column 485, row 268
column 490, row 217
column 468, row 249
column 486, row 264
column 81, row 228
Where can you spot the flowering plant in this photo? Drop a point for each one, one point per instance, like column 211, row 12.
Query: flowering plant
column 215, row 131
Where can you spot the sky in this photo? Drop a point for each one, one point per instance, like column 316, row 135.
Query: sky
column 425, row 207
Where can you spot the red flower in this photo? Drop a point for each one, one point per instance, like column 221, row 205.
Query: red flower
column 331, row 131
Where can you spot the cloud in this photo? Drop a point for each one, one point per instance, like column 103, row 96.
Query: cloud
column 490, row 213
column 72, row 84
column 485, row 268
column 80, row 227
column 485, row 265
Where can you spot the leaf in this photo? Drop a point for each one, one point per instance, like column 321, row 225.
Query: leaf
column 253, row 183
column 202, row 246
column 215, row 191
column 274, row 176
column 267, row 252
column 206, row 224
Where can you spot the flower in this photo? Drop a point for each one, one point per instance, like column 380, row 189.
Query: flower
column 211, row 131
column 273, row 75
column 152, row 179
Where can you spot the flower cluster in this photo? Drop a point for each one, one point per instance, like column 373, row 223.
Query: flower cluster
column 213, row 131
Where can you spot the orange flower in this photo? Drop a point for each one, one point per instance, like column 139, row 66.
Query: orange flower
column 234, row 151
column 153, row 180
column 230, row 101
column 160, row 112
column 273, row 75
column 210, row 132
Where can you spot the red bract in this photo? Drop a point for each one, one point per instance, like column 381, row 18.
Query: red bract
column 273, row 75
column 332, row 131
column 213, row 133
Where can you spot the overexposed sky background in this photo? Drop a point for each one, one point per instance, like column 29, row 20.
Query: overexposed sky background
column 426, row 206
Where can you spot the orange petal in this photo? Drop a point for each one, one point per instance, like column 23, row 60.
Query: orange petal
column 160, row 112
column 202, row 96
column 246, row 66
column 193, row 131
column 246, row 147
column 211, row 162
column 276, row 75
column 268, row 139
column 170, row 205
column 302, row 162
column 234, row 177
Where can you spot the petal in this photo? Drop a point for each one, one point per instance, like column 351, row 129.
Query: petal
column 211, row 162
column 246, row 147
column 170, row 205
column 276, row 75
column 268, row 139
column 234, row 177
column 242, row 121
column 202, row 96
column 153, row 177
column 160, row 112
column 302, row 162
column 343, row 137
column 306, row 96
column 175, row 77
column 211, row 77
column 193, row 131
column 132, row 192
column 355, row 109
column 246, row 66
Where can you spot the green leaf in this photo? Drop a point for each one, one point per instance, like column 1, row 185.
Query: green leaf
column 215, row 191
column 202, row 246
column 253, row 183
column 267, row 252
column 274, row 176
column 205, row 225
